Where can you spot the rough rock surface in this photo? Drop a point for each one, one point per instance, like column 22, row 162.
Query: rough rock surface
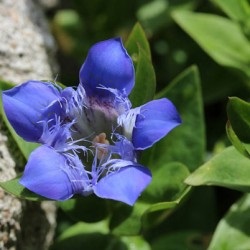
column 25, row 45
column 26, row 52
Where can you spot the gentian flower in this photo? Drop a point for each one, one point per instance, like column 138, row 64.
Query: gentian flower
column 89, row 135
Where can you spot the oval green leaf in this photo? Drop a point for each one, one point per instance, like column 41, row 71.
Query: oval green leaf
column 145, row 80
column 242, row 147
column 238, row 112
column 220, row 38
column 227, row 169
column 237, row 10
column 182, row 144
column 137, row 38
column 233, row 230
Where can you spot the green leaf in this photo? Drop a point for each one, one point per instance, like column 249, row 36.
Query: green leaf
column 164, row 206
column 220, row 37
column 233, row 230
column 87, row 209
column 227, row 169
column 198, row 212
column 96, row 236
column 186, row 143
column 86, row 228
column 168, row 188
column 162, row 195
column 126, row 220
column 15, row 188
column 25, row 147
column 87, row 236
column 4, row 85
column 180, row 240
column 135, row 243
column 137, row 38
column 243, row 148
column 238, row 10
column 238, row 112
column 238, row 127
column 132, row 220
column 145, row 81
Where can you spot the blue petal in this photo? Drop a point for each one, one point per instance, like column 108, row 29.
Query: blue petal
column 44, row 174
column 25, row 104
column 124, row 148
column 156, row 119
column 107, row 66
column 124, row 185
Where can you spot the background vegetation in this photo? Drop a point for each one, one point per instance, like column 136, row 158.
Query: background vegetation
column 200, row 52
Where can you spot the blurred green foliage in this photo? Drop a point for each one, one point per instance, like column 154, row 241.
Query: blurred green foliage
column 213, row 35
column 197, row 53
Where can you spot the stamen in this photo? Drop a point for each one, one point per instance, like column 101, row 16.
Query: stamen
column 127, row 121
column 101, row 139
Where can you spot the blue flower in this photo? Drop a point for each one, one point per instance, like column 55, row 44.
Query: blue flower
column 89, row 135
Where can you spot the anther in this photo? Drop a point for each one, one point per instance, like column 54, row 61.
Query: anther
column 100, row 139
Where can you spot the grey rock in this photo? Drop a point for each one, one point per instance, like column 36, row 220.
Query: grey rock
column 27, row 51
column 26, row 45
